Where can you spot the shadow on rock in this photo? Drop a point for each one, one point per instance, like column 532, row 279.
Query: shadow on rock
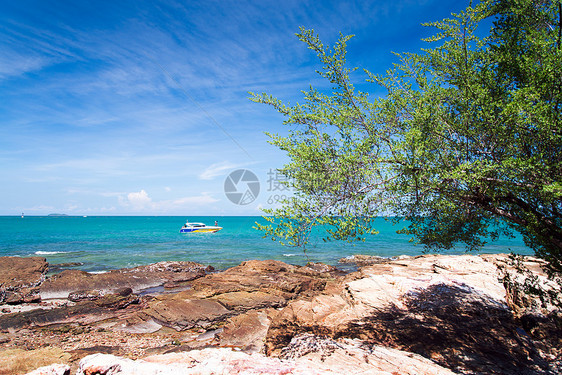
column 458, row 329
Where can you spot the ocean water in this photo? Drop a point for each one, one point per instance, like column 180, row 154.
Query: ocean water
column 100, row 243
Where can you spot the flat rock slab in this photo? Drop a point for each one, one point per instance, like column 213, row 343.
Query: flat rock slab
column 249, row 286
column 16, row 272
column 182, row 314
column 268, row 276
column 84, row 312
column 243, row 301
column 139, row 278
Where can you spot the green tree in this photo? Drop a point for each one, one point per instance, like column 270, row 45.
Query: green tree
column 467, row 139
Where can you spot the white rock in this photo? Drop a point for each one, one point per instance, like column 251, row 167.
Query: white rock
column 348, row 358
column 54, row 369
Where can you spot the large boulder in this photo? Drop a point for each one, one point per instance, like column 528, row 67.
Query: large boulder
column 450, row 309
column 110, row 306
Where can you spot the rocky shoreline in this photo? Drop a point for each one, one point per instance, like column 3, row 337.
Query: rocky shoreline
column 430, row 314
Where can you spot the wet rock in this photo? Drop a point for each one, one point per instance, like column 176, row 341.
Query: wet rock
column 69, row 281
column 56, row 268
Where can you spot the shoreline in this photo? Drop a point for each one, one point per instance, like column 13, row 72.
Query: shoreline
column 270, row 313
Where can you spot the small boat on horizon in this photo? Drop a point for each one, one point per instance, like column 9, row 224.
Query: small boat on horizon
column 199, row 228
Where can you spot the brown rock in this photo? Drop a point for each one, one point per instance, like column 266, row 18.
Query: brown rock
column 84, row 295
column 363, row 260
column 268, row 276
column 19, row 277
column 117, row 301
column 243, row 301
column 16, row 272
column 32, row 298
column 246, row 331
column 136, row 279
column 13, row 298
column 321, row 268
column 182, row 314
column 83, row 312
column 251, row 285
column 124, row 292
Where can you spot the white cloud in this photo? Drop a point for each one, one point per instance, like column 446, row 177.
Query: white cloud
column 139, row 200
column 15, row 64
column 216, row 169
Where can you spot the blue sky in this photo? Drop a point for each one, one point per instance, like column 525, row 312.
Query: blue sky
column 141, row 107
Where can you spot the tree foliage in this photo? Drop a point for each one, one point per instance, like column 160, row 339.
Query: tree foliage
column 468, row 137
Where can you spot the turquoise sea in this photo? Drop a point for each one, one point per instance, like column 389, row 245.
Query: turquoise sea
column 100, row 243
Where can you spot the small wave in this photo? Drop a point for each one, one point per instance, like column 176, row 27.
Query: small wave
column 97, row 272
column 50, row 252
column 290, row 255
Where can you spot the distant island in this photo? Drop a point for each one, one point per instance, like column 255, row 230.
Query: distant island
column 57, row 215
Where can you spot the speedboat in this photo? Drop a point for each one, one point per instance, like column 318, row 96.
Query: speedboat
column 199, row 228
